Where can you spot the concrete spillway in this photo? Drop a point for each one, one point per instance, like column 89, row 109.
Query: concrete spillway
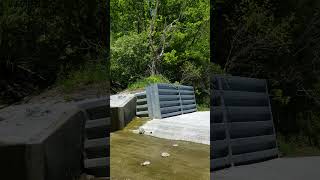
column 193, row 127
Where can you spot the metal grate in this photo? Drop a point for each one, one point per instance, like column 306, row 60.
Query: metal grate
column 242, row 129
column 166, row 100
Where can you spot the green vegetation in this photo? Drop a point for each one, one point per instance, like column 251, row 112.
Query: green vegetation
column 39, row 38
column 161, row 41
column 84, row 76
column 142, row 83
column 278, row 41
column 296, row 146
column 203, row 107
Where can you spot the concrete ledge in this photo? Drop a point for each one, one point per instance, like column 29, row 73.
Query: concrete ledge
column 41, row 142
column 123, row 110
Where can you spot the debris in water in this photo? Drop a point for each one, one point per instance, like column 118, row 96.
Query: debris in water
column 175, row 145
column 141, row 131
column 146, row 163
column 165, row 154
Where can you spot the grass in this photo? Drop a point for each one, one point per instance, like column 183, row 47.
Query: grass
column 86, row 75
column 203, row 107
column 142, row 83
column 188, row 161
column 294, row 148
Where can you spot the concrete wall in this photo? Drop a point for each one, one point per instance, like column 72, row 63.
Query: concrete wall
column 41, row 142
column 122, row 115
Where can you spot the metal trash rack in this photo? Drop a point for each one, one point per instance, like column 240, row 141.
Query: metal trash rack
column 165, row 100
column 242, row 129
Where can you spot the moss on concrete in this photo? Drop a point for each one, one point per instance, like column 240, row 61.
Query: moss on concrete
column 135, row 123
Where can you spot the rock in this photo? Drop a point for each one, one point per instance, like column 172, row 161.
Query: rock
column 165, row 154
column 146, row 163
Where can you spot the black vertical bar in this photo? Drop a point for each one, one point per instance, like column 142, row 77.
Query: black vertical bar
column 270, row 111
column 225, row 120
column 181, row 106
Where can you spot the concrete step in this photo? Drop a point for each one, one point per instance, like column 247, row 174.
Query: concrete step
column 139, row 95
column 142, row 113
column 142, row 106
column 91, row 143
column 98, row 123
column 97, row 148
column 142, row 100
column 98, row 167
column 98, row 128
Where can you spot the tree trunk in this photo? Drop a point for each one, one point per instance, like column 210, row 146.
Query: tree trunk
column 153, row 67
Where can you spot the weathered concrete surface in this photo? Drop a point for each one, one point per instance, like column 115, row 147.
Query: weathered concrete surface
column 31, row 123
column 123, row 110
column 41, row 141
column 193, row 127
column 120, row 100
column 302, row 168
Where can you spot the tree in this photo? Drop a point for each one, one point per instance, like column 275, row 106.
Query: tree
column 175, row 32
